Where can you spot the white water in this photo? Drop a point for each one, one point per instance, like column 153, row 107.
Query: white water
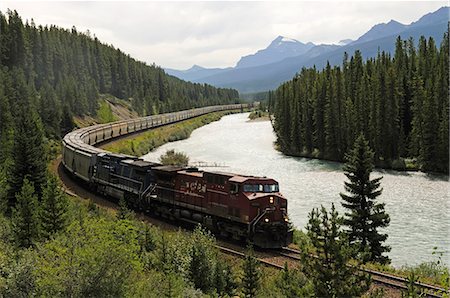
column 417, row 203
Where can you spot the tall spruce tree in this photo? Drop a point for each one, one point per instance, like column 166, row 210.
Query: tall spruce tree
column 124, row 213
column 3, row 190
column 364, row 216
column 329, row 272
column 252, row 275
column 29, row 158
column 53, row 212
column 25, row 221
column 201, row 267
column 6, row 127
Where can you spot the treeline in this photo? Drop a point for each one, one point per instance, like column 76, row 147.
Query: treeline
column 65, row 70
column 400, row 103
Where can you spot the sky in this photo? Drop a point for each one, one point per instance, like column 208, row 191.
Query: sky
column 216, row 34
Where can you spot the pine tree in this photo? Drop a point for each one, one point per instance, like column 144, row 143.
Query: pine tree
column 124, row 213
column 25, row 222
column 53, row 208
column 3, row 190
column 224, row 282
column 365, row 215
column 29, row 158
column 201, row 267
column 66, row 120
column 252, row 275
column 293, row 283
column 49, row 110
column 6, row 127
column 330, row 272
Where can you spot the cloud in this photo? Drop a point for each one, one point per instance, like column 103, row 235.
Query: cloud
column 216, row 34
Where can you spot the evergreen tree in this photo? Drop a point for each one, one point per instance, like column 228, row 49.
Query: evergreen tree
column 124, row 213
column 224, row 281
column 365, row 215
column 201, row 267
column 3, row 191
column 25, row 222
column 293, row 283
column 49, row 110
column 6, row 122
column 66, row 120
column 252, row 275
column 330, row 272
column 53, row 213
column 29, row 158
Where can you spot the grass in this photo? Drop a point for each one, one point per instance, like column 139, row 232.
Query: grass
column 104, row 113
column 151, row 139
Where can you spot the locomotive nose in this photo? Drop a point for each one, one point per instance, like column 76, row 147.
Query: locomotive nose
column 274, row 206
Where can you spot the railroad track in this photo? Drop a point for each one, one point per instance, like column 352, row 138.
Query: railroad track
column 383, row 278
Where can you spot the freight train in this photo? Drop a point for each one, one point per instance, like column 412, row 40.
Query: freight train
column 236, row 206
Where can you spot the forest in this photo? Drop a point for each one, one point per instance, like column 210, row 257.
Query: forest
column 64, row 71
column 53, row 246
column 399, row 102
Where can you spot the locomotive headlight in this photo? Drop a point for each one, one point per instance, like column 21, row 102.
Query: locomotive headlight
column 286, row 219
column 271, row 200
column 266, row 220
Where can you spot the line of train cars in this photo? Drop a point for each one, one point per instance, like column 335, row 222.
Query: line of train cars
column 236, row 206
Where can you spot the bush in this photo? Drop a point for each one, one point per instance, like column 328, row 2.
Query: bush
column 399, row 164
column 173, row 158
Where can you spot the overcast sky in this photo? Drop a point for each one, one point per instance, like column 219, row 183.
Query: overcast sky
column 216, row 34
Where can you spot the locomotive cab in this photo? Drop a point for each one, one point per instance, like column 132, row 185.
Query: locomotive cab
column 269, row 225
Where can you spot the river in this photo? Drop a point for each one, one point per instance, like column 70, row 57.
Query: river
column 417, row 203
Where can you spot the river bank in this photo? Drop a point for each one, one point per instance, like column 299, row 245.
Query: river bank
column 417, row 202
column 142, row 143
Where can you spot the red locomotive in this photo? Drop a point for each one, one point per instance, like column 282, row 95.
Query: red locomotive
column 236, row 206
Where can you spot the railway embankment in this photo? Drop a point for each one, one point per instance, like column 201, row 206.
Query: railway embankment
column 144, row 142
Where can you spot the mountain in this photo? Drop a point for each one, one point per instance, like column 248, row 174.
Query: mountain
column 279, row 49
column 380, row 31
column 345, row 42
column 439, row 16
column 381, row 37
column 195, row 72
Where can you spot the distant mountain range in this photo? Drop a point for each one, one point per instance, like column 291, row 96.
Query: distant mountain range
column 268, row 68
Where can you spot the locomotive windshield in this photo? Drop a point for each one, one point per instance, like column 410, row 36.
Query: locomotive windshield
column 261, row 188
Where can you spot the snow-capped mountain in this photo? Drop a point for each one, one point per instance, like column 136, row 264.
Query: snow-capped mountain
column 280, row 48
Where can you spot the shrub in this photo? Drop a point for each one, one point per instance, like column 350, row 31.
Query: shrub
column 171, row 157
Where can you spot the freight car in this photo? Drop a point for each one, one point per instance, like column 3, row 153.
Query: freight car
column 241, row 207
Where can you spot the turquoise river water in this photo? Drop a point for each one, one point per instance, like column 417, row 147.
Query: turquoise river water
column 417, row 203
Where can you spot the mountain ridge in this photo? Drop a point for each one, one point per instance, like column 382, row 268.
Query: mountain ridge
column 381, row 37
